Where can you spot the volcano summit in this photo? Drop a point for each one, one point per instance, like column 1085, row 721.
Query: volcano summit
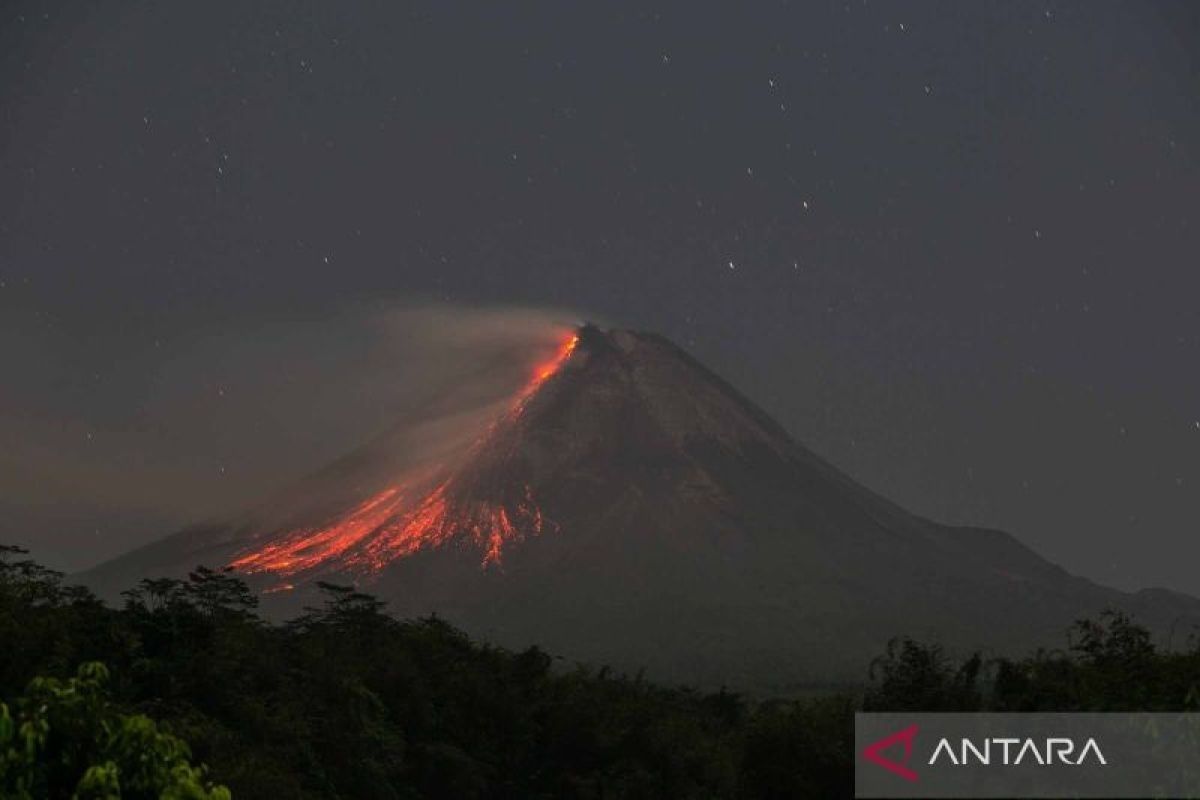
column 629, row 507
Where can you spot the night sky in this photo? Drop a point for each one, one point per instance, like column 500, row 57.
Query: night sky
column 951, row 246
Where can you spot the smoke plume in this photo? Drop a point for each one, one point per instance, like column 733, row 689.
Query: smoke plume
column 150, row 436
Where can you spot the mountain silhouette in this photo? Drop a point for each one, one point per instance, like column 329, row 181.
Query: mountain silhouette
column 629, row 507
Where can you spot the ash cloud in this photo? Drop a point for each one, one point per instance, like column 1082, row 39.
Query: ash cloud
column 112, row 442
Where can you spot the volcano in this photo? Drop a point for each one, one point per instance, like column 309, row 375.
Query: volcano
column 629, row 507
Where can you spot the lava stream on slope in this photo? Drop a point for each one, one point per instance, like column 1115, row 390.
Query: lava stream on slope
column 407, row 517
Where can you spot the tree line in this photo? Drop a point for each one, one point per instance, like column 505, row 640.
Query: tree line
column 185, row 692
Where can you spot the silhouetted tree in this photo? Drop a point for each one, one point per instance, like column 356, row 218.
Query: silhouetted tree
column 348, row 701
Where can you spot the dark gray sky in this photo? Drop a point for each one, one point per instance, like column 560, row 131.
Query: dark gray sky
column 951, row 246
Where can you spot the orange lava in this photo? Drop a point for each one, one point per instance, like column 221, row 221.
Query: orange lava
column 305, row 548
column 545, row 370
column 386, row 527
column 438, row 521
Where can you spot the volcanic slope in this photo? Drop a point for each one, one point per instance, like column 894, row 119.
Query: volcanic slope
column 629, row 507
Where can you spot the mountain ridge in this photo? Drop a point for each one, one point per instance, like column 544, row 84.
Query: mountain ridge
column 631, row 507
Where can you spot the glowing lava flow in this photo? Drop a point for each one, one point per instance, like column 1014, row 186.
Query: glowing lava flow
column 385, row 527
column 436, row 521
column 306, row 548
column 544, row 371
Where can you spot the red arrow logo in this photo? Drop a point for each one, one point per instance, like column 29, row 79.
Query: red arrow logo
column 906, row 736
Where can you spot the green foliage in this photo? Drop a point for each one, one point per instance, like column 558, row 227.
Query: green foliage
column 68, row 741
column 348, row 702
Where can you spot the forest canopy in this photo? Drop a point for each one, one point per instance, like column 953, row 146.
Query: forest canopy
column 347, row 701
